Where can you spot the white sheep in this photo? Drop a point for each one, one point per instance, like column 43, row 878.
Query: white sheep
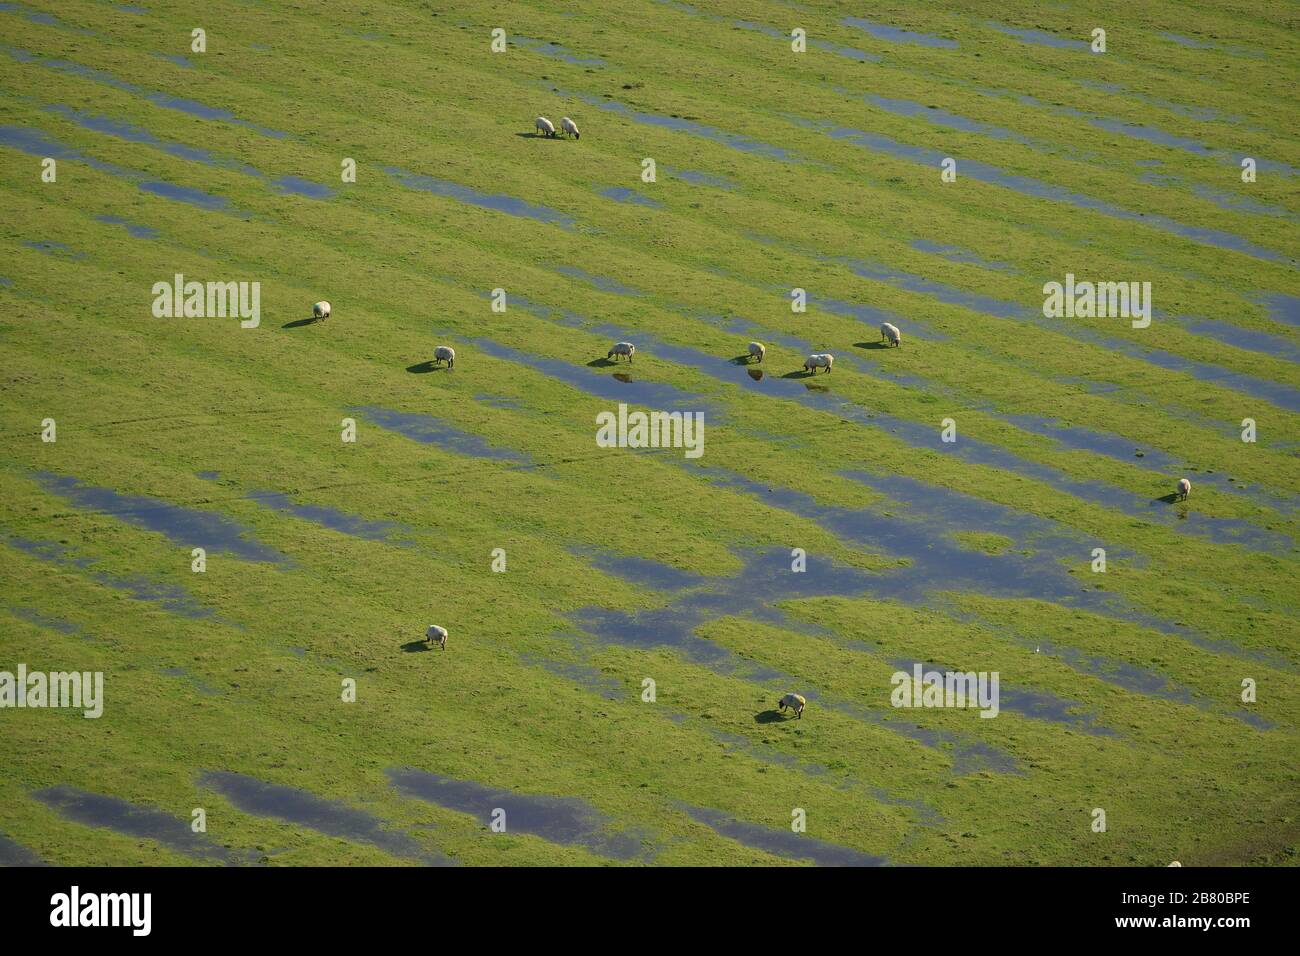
column 445, row 353
column 622, row 348
column 820, row 360
column 889, row 333
column 436, row 635
column 569, row 126
column 321, row 310
column 545, row 126
column 1184, row 488
column 794, row 701
column 757, row 350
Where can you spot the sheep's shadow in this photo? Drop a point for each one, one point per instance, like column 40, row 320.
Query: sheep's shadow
column 536, row 135
column 771, row 717
column 422, row 368
column 604, row 363
column 1168, row 499
column 415, row 647
column 870, row 345
column 299, row 323
column 800, row 373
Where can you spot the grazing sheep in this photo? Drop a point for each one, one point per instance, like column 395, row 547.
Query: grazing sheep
column 436, row 635
column 820, row 360
column 321, row 310
column 1184, row 489
column 569, row 126
column 889, row 333
column 445, row 353
column 757, row 350
column 622, row 348
column 545, row 126
column 794, row 701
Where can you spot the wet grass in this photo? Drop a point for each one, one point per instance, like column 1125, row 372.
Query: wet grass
column 327, row 560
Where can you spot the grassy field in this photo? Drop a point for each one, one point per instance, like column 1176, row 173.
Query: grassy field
column 775, row 170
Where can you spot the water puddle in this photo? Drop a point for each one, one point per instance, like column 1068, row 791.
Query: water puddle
column 331, row 817
column 549, row 48
column 37, row 143
column 634, row 197
column 32, row 616
column 782, row 843
column 169, row 597
column 883, row 31
column 565, row 820
column 496, row 201
column 164, row 100
column 133, row 229
column 604, row 283
column 604, row 685
column 653, row 395
column 1029, row 186
column 435, row 431
column 731, row 140
column 138, row 821
column 1282, row 395
column 185, row 526
column 1039, row 37
column 135, row 134
column 56, row 249
column 327, row 517
column 15, row 854
column 956, row 254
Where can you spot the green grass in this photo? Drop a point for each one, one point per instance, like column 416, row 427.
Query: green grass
column 142, row 404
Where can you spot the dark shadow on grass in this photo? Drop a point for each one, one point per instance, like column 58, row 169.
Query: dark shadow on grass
column 299, row 323
column 1168, row 499
column 601, row 363
column 870, row 345
column 420, row 368
column 536, row 135
column 415, row 647
column 771, row 717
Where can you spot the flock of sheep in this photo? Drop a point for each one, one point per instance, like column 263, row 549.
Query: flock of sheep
column 889, row 334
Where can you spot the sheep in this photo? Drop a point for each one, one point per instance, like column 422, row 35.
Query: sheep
column 436, row 635
column 569, row 126
column 793, row 701
column 321, row 310
column 819, row 360
column 757, row 350
column 545, row 126
column 622, row 348
column 445, row 353
column 1184, row 489
column 889, row 333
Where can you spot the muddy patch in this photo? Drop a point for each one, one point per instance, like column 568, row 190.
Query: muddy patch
column 330, row 817
column 566, row 820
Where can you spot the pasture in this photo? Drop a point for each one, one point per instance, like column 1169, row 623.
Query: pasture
column 623, row 621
